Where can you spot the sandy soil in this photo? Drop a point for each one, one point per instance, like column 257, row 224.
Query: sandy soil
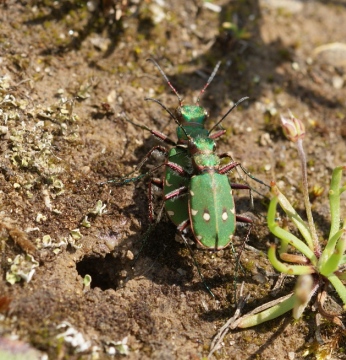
column 68, row 69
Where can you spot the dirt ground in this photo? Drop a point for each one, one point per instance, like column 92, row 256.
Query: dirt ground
column 68, row 69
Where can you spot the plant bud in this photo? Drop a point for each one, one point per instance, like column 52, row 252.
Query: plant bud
column 293, row 128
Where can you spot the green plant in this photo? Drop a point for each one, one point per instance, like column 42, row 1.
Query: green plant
column 315, row 267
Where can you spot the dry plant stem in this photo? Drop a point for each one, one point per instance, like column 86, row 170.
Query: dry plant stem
column 335, row 318
column 218, row 339
column 317, row 248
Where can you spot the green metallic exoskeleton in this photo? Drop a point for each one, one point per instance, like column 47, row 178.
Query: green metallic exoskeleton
column 211, row 205
column 211, row 210
column 206, row 190
column 176, row 207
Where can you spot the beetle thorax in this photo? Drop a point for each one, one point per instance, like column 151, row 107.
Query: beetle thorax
column 205, row 162
column 191, row 114
column 191, row 118
column 202, row 151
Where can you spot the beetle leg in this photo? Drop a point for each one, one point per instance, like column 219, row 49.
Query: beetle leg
column 244, row 187
column 227, row 168
column 182, row 227
column 226, row 155
column 243, row 219
column 177, row 168
column 152, row 182
column 127, row 179
column 159, row 135
column 158, row 148
column 176, row 193
column 157, row 182
column 240, row 186
column 196, row 264
column 217, row 134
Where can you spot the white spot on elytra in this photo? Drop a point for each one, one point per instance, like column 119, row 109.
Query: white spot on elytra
column 170, row 213
column 199, row 237
column 206, row 216
column 192, row 193
column 194, row 212
column 224, row 216
column 232, row 210
column 168, row 184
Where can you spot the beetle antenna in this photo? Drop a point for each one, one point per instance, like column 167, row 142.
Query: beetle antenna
column 209, row 81
column 169, row 112
column 234, row 106
column 141, row 126
column 164, row 107
column 167, row 80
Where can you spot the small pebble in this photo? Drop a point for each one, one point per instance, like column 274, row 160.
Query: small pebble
column 338, row 82
column 3, row 130
column 295, row 66
column 129, row 255
column 261, row 279
column 291, row 355
column 265, row 140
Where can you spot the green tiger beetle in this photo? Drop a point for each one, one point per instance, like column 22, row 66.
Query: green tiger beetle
column 190, row 121
column 197, row 193
column 208, row 194
column 196, row 189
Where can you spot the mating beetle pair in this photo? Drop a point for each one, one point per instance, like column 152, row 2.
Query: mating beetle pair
column 197, row 191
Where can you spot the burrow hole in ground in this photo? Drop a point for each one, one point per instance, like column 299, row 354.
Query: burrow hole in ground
column 104, row 271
